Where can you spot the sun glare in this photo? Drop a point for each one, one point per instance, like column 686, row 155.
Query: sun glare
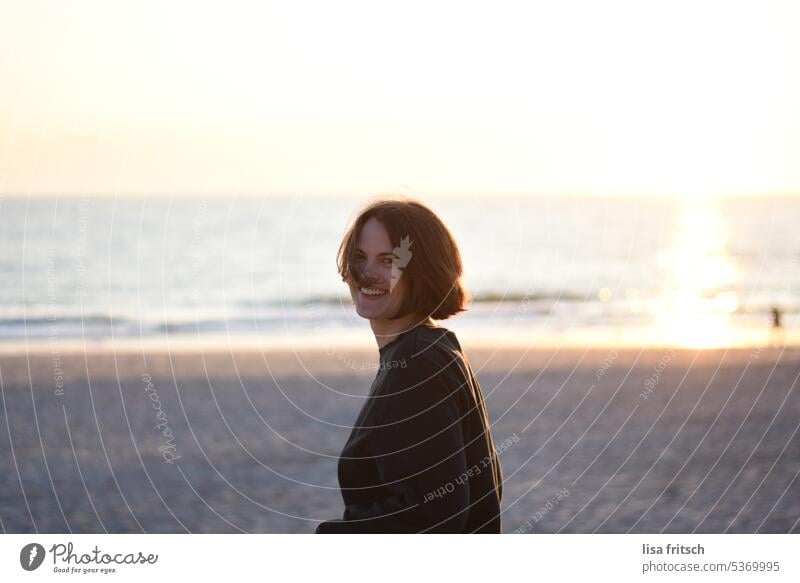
column 694, row 310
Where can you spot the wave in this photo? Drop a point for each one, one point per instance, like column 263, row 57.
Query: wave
column 308, row 315
column 478, row 298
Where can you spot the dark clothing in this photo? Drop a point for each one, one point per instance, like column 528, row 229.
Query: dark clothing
column 420, row 457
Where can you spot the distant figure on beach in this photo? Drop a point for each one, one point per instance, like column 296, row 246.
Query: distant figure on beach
column 776, row 330
column 420, row 457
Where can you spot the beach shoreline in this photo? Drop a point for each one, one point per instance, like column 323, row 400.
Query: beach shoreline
column 110, row 359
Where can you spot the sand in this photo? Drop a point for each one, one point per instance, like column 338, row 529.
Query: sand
column 604, row 440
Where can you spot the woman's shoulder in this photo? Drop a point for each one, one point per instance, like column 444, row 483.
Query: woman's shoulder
column 425, row 344
column 428, row 356
column 437, row 344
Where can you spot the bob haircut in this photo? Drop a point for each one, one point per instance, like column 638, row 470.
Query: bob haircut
column 434, row 271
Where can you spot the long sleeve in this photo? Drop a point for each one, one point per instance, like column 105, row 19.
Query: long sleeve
column 417, row 445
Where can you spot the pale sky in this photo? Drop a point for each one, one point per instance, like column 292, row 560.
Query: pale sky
column 427, row 97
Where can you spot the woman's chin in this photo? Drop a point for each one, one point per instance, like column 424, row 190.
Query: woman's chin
column 369, row 313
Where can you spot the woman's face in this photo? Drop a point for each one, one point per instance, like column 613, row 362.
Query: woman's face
column 373, row 258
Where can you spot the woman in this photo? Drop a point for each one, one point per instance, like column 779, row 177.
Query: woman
column 420, row 457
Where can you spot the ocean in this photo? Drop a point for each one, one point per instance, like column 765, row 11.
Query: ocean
column 542, row 269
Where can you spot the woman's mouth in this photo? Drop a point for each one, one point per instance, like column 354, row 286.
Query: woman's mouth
column 372, row 292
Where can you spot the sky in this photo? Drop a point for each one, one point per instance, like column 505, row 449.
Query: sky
column 437, row 98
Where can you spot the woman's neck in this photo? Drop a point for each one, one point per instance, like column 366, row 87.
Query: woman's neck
column 387, row 330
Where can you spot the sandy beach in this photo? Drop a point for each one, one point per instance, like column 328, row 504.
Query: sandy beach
column 602, row 440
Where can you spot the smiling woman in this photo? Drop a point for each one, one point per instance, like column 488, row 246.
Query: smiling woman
column 420, row 457
column 378, row 249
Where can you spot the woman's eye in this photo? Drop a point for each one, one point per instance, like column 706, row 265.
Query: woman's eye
column 361, row 259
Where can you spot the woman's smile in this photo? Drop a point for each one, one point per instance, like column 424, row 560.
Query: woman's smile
column 372, row 293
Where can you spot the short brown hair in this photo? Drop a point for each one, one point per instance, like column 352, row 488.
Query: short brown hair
column 433, row 275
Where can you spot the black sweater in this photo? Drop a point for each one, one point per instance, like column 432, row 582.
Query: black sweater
column 420, row 457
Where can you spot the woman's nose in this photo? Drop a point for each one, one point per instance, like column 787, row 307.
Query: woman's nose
column 371, row 271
